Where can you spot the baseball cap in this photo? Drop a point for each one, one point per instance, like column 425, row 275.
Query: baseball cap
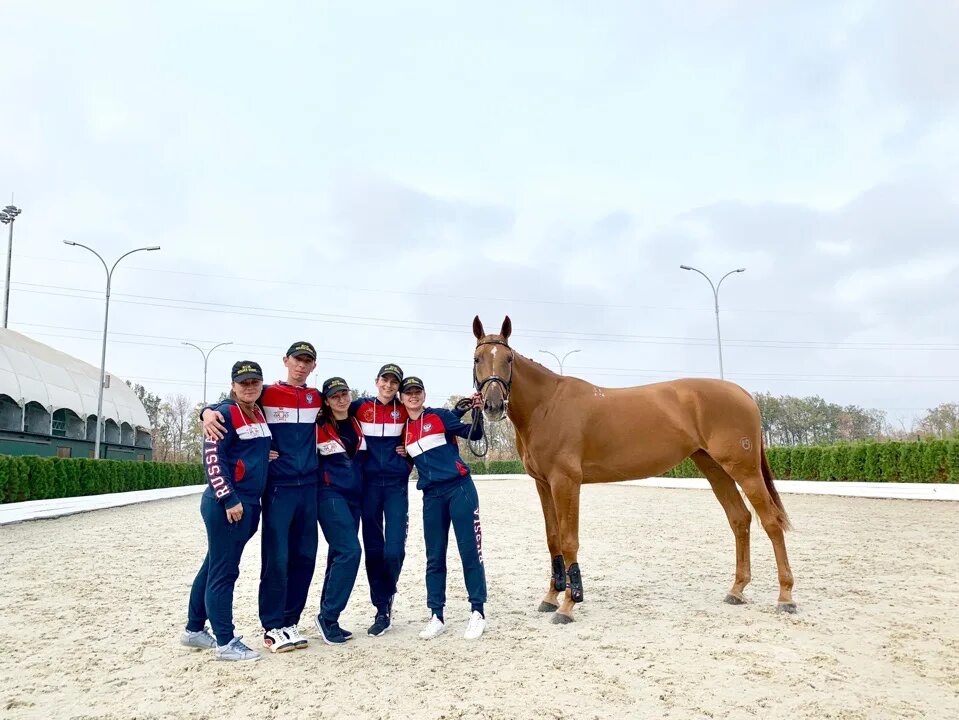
column 411, row 382
column 302, row 347
column 246, row 370
column 333, row 385
column 391, row 369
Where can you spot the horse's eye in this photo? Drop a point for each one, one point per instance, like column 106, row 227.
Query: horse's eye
column 509, row 359
column 476, row 360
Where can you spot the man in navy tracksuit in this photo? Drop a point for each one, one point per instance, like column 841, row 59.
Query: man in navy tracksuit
column 449, row 496
column 236, row 469
column 385, row 507
column 290, row 535
column 341, row 447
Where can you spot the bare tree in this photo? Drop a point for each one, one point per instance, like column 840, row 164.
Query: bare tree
column 177, row 437
column 941, row 421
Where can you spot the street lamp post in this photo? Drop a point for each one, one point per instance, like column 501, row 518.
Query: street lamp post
column 719, row 340
column 106, row 319
column 206, row 357
column 7, row 216
column 560, row 362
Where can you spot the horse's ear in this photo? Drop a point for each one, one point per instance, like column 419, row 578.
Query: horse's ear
column 478, row 328
column 507, row 328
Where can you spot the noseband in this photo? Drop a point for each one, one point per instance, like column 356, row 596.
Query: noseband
column 505, row 383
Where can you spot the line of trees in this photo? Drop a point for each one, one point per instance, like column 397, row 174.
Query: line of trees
column 789, row 420
column 174, row 425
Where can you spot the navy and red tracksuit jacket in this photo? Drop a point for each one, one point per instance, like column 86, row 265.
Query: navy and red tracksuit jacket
column 382, row 425
column 291, row 412
column 341, row 455
column 236, row 466
column 430, row 442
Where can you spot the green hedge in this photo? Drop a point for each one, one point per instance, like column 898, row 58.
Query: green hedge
column 497, row 467
column 932, row 461
column 41, row 478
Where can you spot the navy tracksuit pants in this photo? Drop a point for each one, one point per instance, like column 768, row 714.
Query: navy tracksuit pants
column 458, row 505
column 290, row 537
column 340, row 520
column 385, row 547
column 212, row 593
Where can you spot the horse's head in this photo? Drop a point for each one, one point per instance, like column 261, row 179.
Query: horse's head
column 493, row 368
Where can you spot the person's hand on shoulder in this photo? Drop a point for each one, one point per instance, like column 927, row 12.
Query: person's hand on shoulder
column 213, row 427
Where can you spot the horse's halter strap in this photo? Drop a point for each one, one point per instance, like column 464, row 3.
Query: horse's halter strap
column 506, row 383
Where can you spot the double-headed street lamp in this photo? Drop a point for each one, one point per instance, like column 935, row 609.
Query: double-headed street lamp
column 560, row 362
column 206, row 357
column 719, row 341
column 7, row 217
column 106, row 318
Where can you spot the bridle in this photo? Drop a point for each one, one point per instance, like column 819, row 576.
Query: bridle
column 505, row 383
column 479, row 448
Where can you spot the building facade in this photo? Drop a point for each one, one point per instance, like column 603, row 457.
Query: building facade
column 48, row 405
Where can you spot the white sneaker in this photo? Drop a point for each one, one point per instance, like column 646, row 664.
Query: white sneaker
column 299, row 640
column 433, row 628
column 475, row 627
column 278, row 641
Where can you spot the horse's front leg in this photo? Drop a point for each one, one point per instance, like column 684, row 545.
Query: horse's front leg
column 557, row 580
column 566, row 502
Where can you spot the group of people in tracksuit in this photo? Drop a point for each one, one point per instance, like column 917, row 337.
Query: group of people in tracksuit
column 299, row 457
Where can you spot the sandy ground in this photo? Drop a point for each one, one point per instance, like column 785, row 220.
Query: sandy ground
column 91, row 606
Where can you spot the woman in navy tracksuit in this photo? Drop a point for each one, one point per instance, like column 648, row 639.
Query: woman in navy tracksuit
column 385, row 506
column 341, row 447
column 449, row 496
column 236, row 469
column 289, row 535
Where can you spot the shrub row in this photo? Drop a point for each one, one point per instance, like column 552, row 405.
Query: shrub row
column 933, row 461
column 497, row 467
column 40, row 478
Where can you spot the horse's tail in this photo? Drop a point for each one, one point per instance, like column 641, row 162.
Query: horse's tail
column 771, row 488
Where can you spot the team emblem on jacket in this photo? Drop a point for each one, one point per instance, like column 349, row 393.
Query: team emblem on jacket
column 309, row 398
column 395, row 414
column 368, row 415
column 281, row 414
column 427, row 427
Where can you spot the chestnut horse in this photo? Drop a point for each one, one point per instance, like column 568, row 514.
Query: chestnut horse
column 570, row 432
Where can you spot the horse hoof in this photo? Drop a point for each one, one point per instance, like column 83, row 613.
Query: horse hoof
column 787, row 607
column 560, row 619
column 547, row 607
column 734, row 599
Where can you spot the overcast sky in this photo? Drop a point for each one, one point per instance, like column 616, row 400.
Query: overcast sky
column 369, row 176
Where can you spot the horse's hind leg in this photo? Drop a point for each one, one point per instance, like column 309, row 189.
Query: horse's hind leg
column 773, row 519
column 724, row 487
column 557, row 581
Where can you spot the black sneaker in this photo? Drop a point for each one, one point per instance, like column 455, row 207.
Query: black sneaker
column 330, row 632
column 380, row 625
column 347, row 635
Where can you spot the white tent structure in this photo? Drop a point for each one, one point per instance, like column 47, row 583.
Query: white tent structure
column 40, row 381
